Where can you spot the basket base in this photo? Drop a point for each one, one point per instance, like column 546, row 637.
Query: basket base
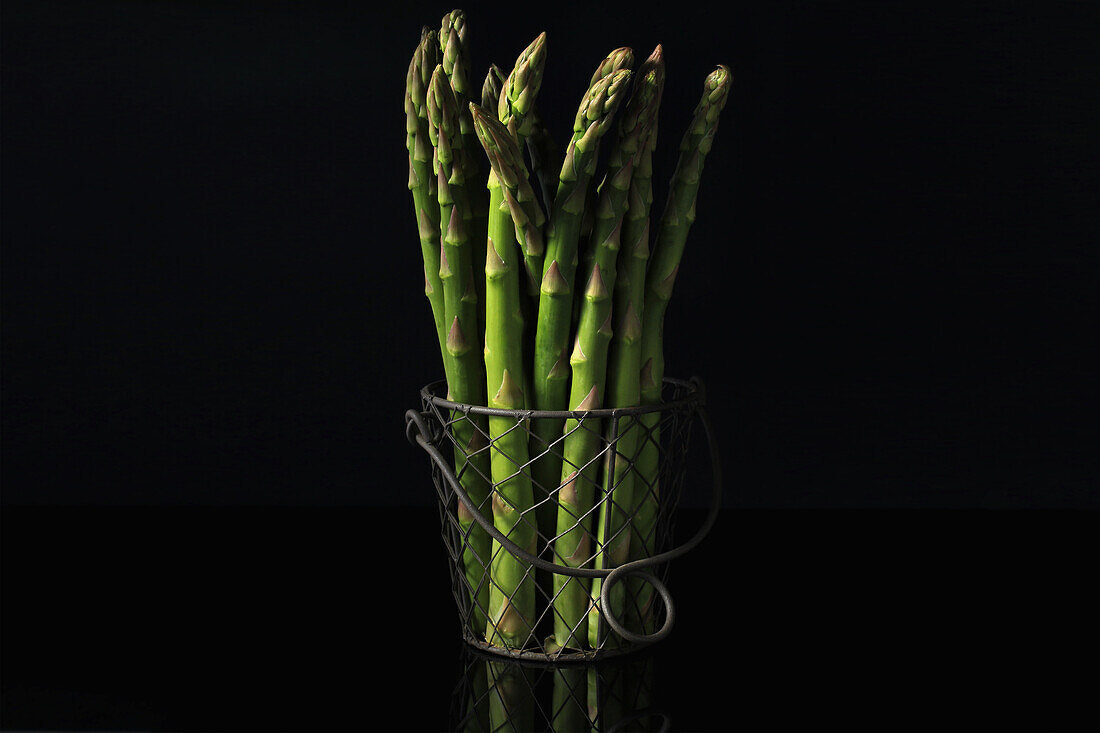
column 563, row 657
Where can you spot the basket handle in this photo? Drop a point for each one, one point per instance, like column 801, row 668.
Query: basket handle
column 420, row 433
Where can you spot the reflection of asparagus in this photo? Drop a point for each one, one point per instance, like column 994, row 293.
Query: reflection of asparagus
column 639, row 685
column 569, row 711
column 511, row 698
column 503, row 695
column 609, row 695
column 622, row 390
column 476, row 705
column 678, row 216
column 592, row 691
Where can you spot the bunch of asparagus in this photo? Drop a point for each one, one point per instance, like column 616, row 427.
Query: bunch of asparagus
column 531, row 332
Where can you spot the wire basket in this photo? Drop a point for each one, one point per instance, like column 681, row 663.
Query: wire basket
column 565, row 555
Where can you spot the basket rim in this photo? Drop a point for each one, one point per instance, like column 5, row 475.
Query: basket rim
column 694, row 395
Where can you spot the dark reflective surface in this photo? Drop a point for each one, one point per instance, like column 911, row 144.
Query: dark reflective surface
column 297, row 619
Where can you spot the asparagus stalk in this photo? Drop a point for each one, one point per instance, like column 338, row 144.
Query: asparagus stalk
column 636, row 230
column 514, row 107
column 522, row 205
column 454, row 47
column 466, row 382
column 551, row 373
column 490, row 94
column 676, row 221
column 422, row 181
column 619, row 59
column 540, row 144
column 572, row 544
column 635, row 126
column 592, row 121
column 452, row 44
column 512, row 595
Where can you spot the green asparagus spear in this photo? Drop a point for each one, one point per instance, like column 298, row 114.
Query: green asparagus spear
column 422, row 181
column 512, row 595
column 644, row 504
column 572, row 545
column 635, row 126
column 619, row 59
column 555, row 303
column 490, row 94
column 455, row 59
column 676, row 221
column 466, row 382
column 523, row 206
column 452, row 43
column 514, row 107
column 521, row 88
column 551, row 380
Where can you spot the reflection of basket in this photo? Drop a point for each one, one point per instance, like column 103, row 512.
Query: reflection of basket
column 568, row 559
column 505, row 695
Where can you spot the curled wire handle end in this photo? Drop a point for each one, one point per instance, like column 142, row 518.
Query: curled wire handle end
column 617, row 576
column 416, row 425
column 637, row 567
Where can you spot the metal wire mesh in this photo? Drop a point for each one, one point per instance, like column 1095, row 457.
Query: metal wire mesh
column 563, row 517
column 502, row 695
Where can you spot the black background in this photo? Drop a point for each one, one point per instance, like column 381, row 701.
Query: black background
column 211, row 297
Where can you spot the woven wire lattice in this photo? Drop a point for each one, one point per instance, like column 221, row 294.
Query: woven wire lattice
column 576, row 495
column 504, row 695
